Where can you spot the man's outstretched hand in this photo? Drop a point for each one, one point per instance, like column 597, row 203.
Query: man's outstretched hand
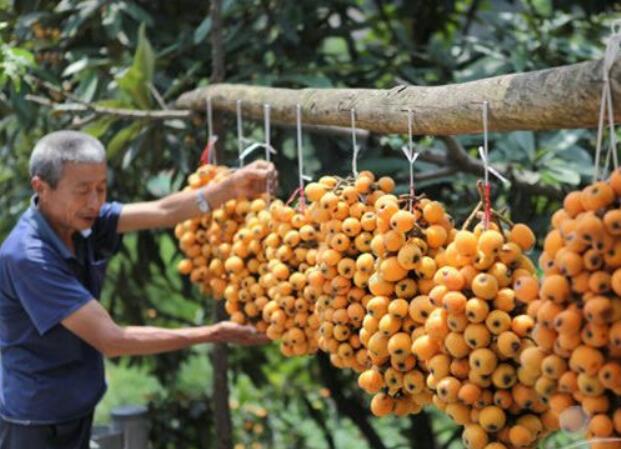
column 252, row 180
column 229, row 332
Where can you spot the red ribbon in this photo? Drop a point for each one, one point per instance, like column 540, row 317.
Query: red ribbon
column 205, row 155
column 488, row 206
column 297, row 192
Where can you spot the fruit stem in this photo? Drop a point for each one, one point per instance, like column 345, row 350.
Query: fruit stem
column 473, row 214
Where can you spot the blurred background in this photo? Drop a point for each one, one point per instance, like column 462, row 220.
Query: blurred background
column 60, row 59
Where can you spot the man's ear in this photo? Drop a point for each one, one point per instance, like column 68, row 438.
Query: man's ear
column 38, row 185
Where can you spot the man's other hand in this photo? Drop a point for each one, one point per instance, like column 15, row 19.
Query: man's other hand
column 252, row 180
column 229, row 332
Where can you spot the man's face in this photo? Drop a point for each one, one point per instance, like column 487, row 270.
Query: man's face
column 75, row 202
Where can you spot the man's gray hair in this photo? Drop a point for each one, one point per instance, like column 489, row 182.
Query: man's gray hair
column 57, row 148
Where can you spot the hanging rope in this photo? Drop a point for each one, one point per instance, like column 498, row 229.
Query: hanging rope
column 267, row 130
column 243, row 153
column 268, row 146
column 411, row 156
column 606, row 105
column 240, row 133
column 356, row 149
column 208, row 156
column 487, row 169
column 301, row 176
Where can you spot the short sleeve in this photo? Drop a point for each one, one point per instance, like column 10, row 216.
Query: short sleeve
column 46, row 288
column 106, row 239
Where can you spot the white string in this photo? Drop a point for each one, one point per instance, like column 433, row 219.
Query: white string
column 484, row 153
column 483, row 150
column 408, row 150
column 411, row 157
column 245, row 152
column 410, row 154
column 488, row 168
column 268, row 146
column 266, row 125
column 356, row 149
column 611, row 125
column 240, row 136
column 606, row 105
column 600, row 132
column 211, row 138
column 301, row 175
column 249, row 150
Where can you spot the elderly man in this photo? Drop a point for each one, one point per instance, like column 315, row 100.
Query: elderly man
column 53, row 330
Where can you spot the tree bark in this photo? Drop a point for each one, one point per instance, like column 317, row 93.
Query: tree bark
column 561, row 97
column 421, row 432
column 217, row 46
column 348, row 406
column 220, row 352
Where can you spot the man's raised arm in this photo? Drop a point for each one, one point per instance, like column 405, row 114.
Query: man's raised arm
column 247, row 182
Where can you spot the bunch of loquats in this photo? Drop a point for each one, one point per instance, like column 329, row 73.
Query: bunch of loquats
column 291, row 251
column 411, row 237
column 206, row 240
column 577, row 335
column 477, row 332
column 343, row 211
column 427, row 313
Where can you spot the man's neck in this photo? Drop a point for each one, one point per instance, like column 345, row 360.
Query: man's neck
column 63, row 232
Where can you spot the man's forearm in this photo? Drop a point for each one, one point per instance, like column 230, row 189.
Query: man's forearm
column 145, row 340
column 170, row 210
column 180, row 206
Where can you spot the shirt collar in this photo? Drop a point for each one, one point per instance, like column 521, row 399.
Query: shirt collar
column 48, row 233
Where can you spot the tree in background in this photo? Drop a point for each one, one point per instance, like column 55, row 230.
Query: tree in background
column 113, row 68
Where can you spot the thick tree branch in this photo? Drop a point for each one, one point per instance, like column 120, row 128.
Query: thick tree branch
column 217, row 44
column 422, row 436
column 435, row 174
column 561, row 97
column 457, row 157
column 456, row 435
column 220, row 352
column 319, row 419
column 346, row 406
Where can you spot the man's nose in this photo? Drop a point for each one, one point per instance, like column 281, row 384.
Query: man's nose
column 93, row 200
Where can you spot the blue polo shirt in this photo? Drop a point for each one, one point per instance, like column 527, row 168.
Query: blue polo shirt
column 47, row 374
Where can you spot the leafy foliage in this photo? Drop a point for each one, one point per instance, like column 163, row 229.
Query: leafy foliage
column 126, row 54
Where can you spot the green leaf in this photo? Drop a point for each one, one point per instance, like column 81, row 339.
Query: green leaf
column 134, row 82
column 122, row 138
column 75, row 67
column 525, row 141
column 203, row 29
column 85, row 10
column 562, row 174
column 144, row 59
column 99, row 127
column 195, row 376
column 14, row 63
column 543, row 7
column 127, row 385
column 161, row 184
column 137, row 13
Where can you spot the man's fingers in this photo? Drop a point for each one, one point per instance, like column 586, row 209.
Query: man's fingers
column 258, row 339
column 260, row 163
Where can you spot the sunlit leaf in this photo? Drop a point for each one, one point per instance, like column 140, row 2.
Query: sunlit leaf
column 122, row 138
column 134, row 82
